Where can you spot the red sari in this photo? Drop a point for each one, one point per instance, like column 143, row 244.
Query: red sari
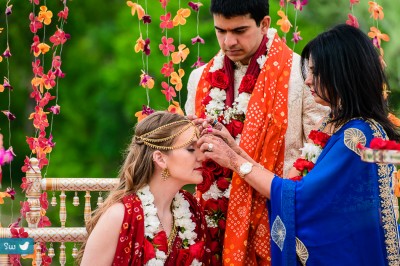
column 131, row 248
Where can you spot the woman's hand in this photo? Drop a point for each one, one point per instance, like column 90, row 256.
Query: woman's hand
column 218, row 150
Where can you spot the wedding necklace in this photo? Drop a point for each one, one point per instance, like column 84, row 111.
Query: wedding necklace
column 172, row 233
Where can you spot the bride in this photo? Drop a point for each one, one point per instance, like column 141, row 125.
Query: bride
column 148, row 219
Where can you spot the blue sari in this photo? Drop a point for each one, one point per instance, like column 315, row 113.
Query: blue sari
column 341, row 213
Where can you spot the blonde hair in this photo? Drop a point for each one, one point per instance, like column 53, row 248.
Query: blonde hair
column 138, row 166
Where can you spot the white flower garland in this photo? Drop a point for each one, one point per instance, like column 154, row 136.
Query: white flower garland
column 311, row 152
column 216, row 107
column 182, row 216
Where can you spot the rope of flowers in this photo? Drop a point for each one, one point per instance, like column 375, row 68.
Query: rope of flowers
column 174, row 54
column 7, row 155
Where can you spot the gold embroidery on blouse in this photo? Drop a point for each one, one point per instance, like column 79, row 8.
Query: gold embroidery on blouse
column 301, row 252
column 390, row 226
column 353, row 136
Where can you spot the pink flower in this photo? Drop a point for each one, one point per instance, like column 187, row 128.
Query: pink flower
column 6, row 156
column 298, row 4
column 352, row 21
column 167, row 69
column 168, row 91
column 296, row 37
column 59, row 37
column 166, row 22
column 146, row 48
column 35, row 23
column 9, row 10
column 9, row 115
column 11, row 191
column 195, row 6
column 197, row 39
column 7, row 53
column 37, row 68
column 63, row 14
column 7, row 85
column 198, row 63
column 167, row 45
column 54, row 109
column 146, row 19
column 353, row 2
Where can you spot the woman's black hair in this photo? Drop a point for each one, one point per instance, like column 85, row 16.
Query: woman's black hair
column 348, row 74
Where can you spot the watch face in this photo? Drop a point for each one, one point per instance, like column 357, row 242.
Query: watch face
column 246, row 168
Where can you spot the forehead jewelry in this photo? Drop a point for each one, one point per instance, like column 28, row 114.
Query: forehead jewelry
column 153, row 142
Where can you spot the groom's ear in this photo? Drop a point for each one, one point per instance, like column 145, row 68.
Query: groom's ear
column 264, row 24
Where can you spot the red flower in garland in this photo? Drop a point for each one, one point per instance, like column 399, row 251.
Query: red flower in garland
column 235, row 127
column 318, row 137
column 303, row 165
column 160, row 241
column 18, row 233
column 185, row 258
column 218, row 79
column 247, row 84
column 381, row 144
column 148, row 250
column 306, row 164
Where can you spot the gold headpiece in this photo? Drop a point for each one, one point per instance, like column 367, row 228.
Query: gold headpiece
column 150, row 142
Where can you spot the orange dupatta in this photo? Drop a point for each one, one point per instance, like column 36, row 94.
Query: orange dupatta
column 247, row 235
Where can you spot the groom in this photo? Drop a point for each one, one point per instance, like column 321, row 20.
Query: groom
column 255, row 88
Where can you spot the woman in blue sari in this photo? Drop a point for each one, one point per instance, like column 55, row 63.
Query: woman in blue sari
column 339, row 209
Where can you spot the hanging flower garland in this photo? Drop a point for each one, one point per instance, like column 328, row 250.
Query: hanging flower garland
column 6, row 155
column 284, row 21
column 157, row 239
column 376, row 13
column 43, row 83
column 174, row 54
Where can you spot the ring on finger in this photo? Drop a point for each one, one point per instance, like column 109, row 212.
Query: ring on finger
column 210, row 147
column 214, row 122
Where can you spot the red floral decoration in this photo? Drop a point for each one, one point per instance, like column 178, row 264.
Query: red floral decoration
column 306, row 163
column 215, row 206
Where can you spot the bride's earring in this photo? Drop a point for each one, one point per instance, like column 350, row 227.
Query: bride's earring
column 165, row 174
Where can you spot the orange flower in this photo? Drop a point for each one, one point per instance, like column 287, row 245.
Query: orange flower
column 175, row 108
column 283, row 22
column 136, row 8
column 180, row 18
column 378, row 36
column 176, row 79
column 139, row 44
column 140, row 116
column 45, row 15
column 180, row 55
column 43, row 49
column 146, row 80
column 36, row 81
column 375, row 10
column 4, row 195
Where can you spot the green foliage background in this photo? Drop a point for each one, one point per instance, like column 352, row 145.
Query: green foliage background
column 100, row 93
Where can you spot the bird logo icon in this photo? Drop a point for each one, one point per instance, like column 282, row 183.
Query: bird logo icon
column 24, row 246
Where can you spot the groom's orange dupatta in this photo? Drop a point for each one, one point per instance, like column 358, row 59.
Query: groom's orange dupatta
column 247, row 236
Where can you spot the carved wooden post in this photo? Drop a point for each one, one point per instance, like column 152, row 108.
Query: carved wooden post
column 33, row 192
column 88, row 207
column 4, row 260
column 63, row 209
